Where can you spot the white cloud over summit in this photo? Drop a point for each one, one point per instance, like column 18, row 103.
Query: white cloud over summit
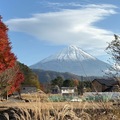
column 69, row 26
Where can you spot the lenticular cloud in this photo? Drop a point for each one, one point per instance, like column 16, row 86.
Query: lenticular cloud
column 75, row 26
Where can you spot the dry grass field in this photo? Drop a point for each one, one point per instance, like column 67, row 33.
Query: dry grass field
column 39, row 108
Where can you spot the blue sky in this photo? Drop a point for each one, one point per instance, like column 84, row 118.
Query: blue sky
column 40, row 28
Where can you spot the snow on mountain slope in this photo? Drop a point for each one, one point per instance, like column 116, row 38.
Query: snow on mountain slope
column 71, row 53
column 74, row 60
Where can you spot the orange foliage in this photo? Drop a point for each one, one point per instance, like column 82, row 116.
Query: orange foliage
column 76, row 82
column 8, row 59
column 17, row 81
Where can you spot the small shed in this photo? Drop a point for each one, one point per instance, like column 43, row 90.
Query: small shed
column 28, row 89
column 69, row 91
column 103, row 85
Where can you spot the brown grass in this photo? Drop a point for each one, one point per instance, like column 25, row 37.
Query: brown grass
column 43, row 110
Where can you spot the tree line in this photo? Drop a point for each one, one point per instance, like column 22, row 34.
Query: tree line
column 60, row 82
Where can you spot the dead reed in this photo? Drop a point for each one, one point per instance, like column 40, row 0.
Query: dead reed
column 42, row 110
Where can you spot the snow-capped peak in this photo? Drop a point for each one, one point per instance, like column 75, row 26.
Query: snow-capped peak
column 71, row 53
column 73, row 60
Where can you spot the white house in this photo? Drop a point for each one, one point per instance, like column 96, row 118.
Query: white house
column 69, row 91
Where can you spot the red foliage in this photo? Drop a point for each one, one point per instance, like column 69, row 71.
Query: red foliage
column 17, row 81
column 7, row 58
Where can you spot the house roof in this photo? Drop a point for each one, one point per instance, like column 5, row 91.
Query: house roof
column 107, row 82
column 68, row 88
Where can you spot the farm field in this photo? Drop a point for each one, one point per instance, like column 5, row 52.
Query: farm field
column 59, row 105
column 37, row 110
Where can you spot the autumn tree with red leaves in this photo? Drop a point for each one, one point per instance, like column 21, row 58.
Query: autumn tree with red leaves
column 10, row 75
column 17, row 79
column 7, row 58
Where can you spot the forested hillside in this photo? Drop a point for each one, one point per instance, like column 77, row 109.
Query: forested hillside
column 30, row 77
column 47, row 76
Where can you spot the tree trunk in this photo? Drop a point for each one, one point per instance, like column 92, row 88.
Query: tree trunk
column 19, row 92
column 5, row 95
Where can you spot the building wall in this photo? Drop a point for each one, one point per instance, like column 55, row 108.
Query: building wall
column 96, row 87
column 104, row 87
column 68, row 91
column 28, row 89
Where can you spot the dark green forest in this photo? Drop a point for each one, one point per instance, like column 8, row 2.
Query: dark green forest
column 31, row 78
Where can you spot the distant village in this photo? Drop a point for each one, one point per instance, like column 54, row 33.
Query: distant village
column 75, row 87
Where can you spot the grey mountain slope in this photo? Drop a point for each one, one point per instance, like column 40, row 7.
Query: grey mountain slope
column 47, row 75
column 73, row 60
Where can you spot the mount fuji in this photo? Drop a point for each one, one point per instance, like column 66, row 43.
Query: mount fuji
column 73, row 60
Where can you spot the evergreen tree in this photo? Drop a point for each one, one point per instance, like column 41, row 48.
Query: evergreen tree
column 57, row 81
column 68, row 83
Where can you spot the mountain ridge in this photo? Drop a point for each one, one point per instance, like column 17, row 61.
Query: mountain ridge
column 73, row 60
column 45, row 76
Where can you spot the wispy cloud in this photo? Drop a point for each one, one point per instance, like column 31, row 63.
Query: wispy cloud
column 75, row 26
column 64, row 4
